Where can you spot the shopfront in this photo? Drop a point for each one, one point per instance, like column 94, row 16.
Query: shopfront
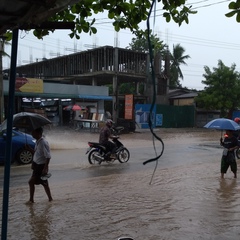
column 50, row 99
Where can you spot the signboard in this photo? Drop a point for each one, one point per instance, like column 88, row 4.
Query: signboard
column 142, row 112
column 33, row 85
column 128, row 106
column 159, row 119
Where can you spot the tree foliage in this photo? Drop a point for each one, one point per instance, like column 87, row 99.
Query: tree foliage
column 235, row 10
column 124, row 14
column 177, row 56
column 222, row 91
column 140, row 43
column 127, row 88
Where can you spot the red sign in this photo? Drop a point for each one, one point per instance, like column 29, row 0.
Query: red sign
column 129, row 106
column 19, row 83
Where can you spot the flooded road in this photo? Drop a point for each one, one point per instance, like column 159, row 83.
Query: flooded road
column 186, row 200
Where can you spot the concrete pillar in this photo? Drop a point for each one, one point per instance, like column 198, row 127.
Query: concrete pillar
column 94, row 81
column 101, row 106
column 60, row 109
column 137, row 88
column 115, row 103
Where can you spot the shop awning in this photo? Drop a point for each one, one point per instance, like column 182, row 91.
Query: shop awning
column 62, row 96
column 97, row 97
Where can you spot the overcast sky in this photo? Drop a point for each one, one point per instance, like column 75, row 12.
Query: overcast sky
column 209, row 37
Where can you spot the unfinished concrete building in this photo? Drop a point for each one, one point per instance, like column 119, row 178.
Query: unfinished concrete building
column 100, row 67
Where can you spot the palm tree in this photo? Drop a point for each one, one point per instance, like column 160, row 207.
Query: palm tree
column 177, row 58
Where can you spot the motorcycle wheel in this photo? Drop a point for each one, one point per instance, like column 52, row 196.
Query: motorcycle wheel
column 93, row 157
column 238, row 153
column 123, row 155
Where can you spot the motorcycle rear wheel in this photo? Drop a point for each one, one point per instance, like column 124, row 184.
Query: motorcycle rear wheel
column 123, row 155
column 93, row 157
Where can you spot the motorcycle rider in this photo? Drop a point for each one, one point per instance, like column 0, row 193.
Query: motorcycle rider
column 237, row 132
column 105, row 135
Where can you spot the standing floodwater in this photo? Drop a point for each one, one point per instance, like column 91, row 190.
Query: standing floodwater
column 186, row 200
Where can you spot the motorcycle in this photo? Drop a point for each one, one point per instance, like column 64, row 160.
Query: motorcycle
column 238, row 150
column 97, row 153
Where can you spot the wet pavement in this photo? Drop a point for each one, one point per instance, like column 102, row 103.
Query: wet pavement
column 185, row 200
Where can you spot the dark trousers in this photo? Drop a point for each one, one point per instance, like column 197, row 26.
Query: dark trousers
column 110, row 146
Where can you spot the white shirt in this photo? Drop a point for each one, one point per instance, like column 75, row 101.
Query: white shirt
column 41, row 151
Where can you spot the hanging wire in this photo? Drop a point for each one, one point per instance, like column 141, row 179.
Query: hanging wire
column 150, row 117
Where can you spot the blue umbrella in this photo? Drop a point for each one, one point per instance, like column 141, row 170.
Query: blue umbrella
column 223, row 124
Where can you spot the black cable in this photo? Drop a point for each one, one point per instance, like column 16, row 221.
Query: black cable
column 154, row 94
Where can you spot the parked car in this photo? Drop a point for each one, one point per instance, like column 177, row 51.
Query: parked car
column 19, row 153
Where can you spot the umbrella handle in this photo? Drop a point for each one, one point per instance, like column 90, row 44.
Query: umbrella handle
column 221, row 136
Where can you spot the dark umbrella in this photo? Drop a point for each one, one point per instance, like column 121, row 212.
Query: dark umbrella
column 28, row 121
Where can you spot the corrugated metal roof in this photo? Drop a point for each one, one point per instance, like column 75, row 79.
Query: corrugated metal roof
column 186, row 95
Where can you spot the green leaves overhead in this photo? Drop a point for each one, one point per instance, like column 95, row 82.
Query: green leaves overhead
column 124, row 14
column 177, row 11
column 235, row 7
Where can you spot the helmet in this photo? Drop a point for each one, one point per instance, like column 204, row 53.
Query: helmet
column 237, row 120
column 109, row 122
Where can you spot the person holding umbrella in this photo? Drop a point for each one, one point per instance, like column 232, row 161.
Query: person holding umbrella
column 230, row 144
column 41, row 159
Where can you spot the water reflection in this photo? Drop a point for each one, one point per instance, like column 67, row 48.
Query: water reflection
column 40, row 221
column 227, row 189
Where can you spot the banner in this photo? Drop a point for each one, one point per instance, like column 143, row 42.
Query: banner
column 33, row 85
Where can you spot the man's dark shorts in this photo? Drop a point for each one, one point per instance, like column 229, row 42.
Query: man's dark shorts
column 37, row 173
column 226, row 162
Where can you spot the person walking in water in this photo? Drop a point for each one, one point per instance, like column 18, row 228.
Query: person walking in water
column 230, row 144
column 40, row 163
